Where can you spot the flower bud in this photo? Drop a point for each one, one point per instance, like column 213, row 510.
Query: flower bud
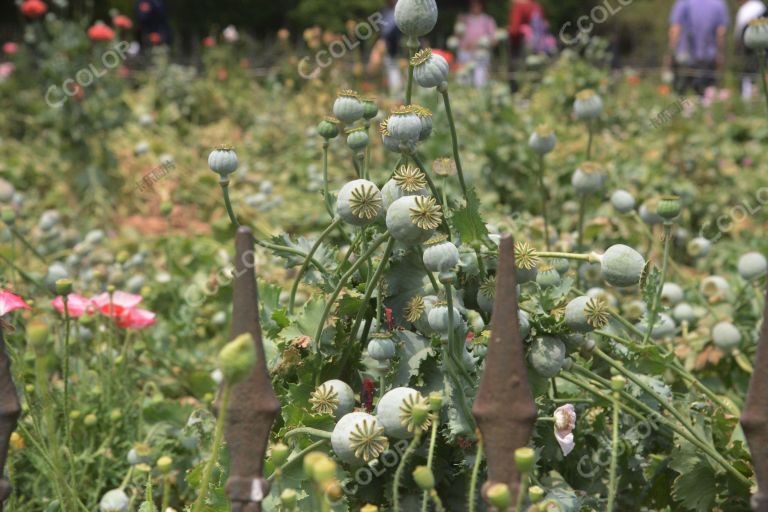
column 237, row 358
column 280, row 453
column 90, row 420
column 324, row 470
column 310, row 460
column 165, row 464
column 436, row 401
column 16, row 441
column 424, row 478
column 524, row 459
column 115, row 414
column 75, row 415
column 618, row 382
column 535, row 494
column 499, row 496
column 289, row 498
column 63, row 287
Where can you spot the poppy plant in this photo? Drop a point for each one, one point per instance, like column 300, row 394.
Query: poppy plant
column 77, row 305
column 33, row 8
column 136, row 319
column 10, row 302
column 101, row 32
column 121, row 303
column 123, row 22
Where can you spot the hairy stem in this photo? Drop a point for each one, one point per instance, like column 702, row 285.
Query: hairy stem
column 218, row 437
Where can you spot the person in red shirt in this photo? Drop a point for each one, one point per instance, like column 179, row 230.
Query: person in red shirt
column 521, row 15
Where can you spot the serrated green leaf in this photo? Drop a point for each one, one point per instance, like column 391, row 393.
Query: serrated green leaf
column 467, row 220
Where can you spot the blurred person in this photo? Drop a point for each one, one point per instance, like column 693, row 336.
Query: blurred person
column 524, row 16
column 153, row 26
column 386, row 51
column 478, row 36
column 697, row 32
column 749, row 10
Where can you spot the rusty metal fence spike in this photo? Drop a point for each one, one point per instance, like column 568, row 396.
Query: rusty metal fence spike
column 9, row 415
column 504, row 407
column 253, row 406
column 754, row 419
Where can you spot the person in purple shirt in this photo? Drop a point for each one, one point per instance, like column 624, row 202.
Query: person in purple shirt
column 697, row 31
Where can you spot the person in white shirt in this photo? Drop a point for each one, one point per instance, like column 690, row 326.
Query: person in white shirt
column 749, row 10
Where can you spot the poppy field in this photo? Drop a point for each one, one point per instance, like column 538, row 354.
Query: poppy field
column 468, row 299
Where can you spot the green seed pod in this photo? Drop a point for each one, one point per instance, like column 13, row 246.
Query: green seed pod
column 669, row 208
column 524, row 322
column 547, row 355
column 588, row 105
column 333, row 397
column 526, row 262
column 535, row 494
column 588, row 178
column 359, row 202
column 726, row 336
column 623, row 201
column 664, row 327
column 416, row 18
column 381, row 347
column 425, row 117
column 309, row 461
column 440, row 255
column 357, row 138
column 671, row 294
column 486, row 294
column 288, row 499
column 404, row 125
column 328, row 128
column 439, row 318
column 698, row 247
column 683, row 312
column 424, row 478
column 417, row 312
column 525, row 458
column 715, row 287
column 435, row 401
column 389, row 142
column 358, row 437
column 165, row 464
column 348, row 108
column 622, row 266
column 411, row 220
column 430, row 69
column 756, row 34
column 548, row 276
column 237, row 359
column 90, row 420
column 63, row 287
column 114, row 501
column 395, row 412
column 324, row 470
column 649, row 213
column 499, row 496
column 542, row 140
column 280, row 453
column 223, row 161
column 585, row 314
column 406, row 181
column 752, row 266
column 370, row 108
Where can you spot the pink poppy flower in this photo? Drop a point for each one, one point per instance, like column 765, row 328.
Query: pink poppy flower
column 565, row 422
column 10, row 302
column 136, row 319
column 122, row 302
column 77, row 305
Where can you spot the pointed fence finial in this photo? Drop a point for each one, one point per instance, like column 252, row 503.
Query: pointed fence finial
column 504, row 407
column 754, row 419
column 253, row 406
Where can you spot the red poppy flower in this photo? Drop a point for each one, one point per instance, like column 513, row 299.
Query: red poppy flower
column 222, row 74
column 145, row 7
column 155, row 38
column 10, row 302
column 101, row 32
column 33, row 8
column 136, row 319
column 77, row 305
column 209, row 41
column 10, row 48
column 122, row 302
column 121, row 21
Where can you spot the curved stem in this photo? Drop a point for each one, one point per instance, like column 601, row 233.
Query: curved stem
column 430, row 457
column 290, row 250
column 543, row 190
column 299, row 456
column 660, row 285
column 401, row 467
column 614, row 451
column 342, row 282
column 324, row 434
column 454, row 141
column 475, row 473
column 305, row 265
column 218, row 437
column 326, row 193
column 372, row 285
column 590, row 257
column 228, row 203
column 439, row 507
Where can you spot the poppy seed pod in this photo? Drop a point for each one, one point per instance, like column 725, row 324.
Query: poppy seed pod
column 542, row 140
column 486, row 294
column 406, row 181
column 348, row 108
column 588, row 105
column 726, row 336
column 649, row 212
column 223, row 161
column 237, row 359
column 580, row 314
column 714, row 286
column 588, row 178
column 389, row 142
column 671, row 294
column 664, row 327
column 548, row 276
column 405, row 126
column 357, row 138
column 359, row 202
column 622, row 266
column 623, row 201
column 698, row 247
column 425, row 116
column 683, row 312
column 114, row 501
column 752, row 265
column 328, row 128
column 358, row 437
column 439, row 318
column 440, row 255
column 395, row 409
column 370, row 108
column 756, row 34
column 429, row 69
column 547, row 355
column 333, row 397
column 424, row 478
column 412, row 220
column 416, row 18
column 668, row 208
